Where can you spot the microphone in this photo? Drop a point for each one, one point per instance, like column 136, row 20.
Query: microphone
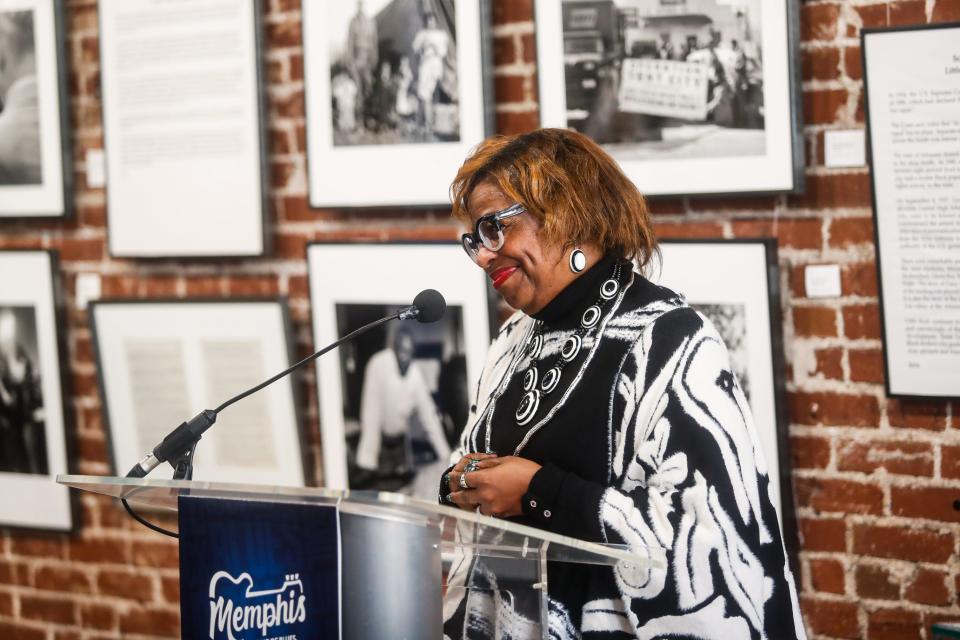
column 428, row 306
column 178, row 446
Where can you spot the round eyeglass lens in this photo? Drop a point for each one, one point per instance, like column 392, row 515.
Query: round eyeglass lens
column 470, row 246
column 491, row 233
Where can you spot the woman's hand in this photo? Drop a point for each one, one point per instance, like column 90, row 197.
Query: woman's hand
column 458, row 469
column 496, row 487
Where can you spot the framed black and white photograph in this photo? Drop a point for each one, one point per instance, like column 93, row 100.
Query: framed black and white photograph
column 736, row 285
column 912, row 98
column 394, row 401
column 35, row 158
column 692, row 97
column 183, row 121
column 388, row 81
column 34, row 446
column 162, row 362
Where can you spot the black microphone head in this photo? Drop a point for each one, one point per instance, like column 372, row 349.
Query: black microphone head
column 430, row 305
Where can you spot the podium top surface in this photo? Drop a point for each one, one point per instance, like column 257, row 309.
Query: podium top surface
column 484, row 534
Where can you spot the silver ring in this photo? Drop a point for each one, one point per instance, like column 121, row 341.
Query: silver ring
column 473, row 465
column 463, row 481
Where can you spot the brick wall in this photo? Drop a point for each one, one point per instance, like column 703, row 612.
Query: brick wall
column 873, row 478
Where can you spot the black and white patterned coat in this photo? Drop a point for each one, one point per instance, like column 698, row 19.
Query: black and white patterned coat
column 685, row 474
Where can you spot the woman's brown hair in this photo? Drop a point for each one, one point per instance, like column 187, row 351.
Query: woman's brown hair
column 572, row 186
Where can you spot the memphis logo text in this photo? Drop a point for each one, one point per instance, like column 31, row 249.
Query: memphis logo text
column 236, row 608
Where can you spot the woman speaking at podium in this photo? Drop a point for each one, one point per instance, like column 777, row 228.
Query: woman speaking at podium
column 608, row 411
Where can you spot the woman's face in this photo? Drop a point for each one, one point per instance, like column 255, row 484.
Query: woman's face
column 526, row 271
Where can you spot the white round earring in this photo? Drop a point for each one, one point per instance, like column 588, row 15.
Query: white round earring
column 578, row 261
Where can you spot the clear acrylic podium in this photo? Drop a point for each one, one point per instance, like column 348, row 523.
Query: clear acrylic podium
column 411, row 562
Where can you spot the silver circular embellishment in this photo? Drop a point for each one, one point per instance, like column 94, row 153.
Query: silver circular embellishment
column 571, row 347
column 590, row 317
column 550, row 380
column 530, row 379
column 528, row 407
column 578, row 261
column 535, row 346
column 609, row 289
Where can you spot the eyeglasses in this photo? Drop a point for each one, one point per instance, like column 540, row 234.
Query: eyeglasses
column 488, row 231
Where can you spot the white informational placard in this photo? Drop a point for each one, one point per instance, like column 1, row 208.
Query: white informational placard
column 161, row 363
column 844, row 148
column 352, row 284
column 728, row 282
column 668, row 88
column 33, row 448
column 746, row 140
column 912, row 81
column 394, row 101
column 182, row 127
column 35, row 162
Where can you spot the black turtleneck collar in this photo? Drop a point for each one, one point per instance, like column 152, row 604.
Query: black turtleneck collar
column 582, row 292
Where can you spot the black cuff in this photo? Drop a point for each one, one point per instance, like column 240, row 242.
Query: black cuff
column 445, row 487
column 540, row 500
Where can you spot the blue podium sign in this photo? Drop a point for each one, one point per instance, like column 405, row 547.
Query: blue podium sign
column 258, row 571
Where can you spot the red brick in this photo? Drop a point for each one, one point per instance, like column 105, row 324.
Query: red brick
column 827, row 575
column 102, row 617
column 950, row 461
column 17, row 631
column 125, row 584
column 908, row 414
column 283, row 34
column 156, row 554
column 902, row 543
column 61, row 578
column 800, row 233
column 839, row 409
column 47, row 609
column 861, row 321
column 675, row 230
column 819, row 22
column 509, row 122
column 929, row 587
column 821, row 63
column 859, row 279
column 839, row 496
column 504, row 50
column 850, row 232
column 832, row 191
column 6, row 604
column 946, row 11
column 810, row 452
column 876, row 583
column 894, row 624
column 45, row 547
column 205, row 287
column 510, row 89
column 853, row 63
column 512, row 11
column 663, row 206
column 872, row 16
column 160, row 287
column 815, row 321
column 77, row 249
column 739, row 204
column 150, row 621
column 907, row 458
column 98, row 550
column 829, row 363
column 932, row 503
column 253, row 286
column 170, row 588
column 823, row 534
column 92, row 448
column 866, row 365
column 907, row 12
column 831, row 618
column 823, row 106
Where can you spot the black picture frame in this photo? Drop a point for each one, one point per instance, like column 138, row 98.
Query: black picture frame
column 876, row 217
column 26, row 202
column 730, row 175
column 258, row 8
column 58, row 310
column 295, row 377
column 396, row 174
column 777, row 388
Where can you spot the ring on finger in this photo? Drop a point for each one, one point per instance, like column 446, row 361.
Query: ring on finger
column 473, row 465
column 463, row 481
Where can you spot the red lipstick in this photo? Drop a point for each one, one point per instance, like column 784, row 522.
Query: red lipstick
column 501, row 275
